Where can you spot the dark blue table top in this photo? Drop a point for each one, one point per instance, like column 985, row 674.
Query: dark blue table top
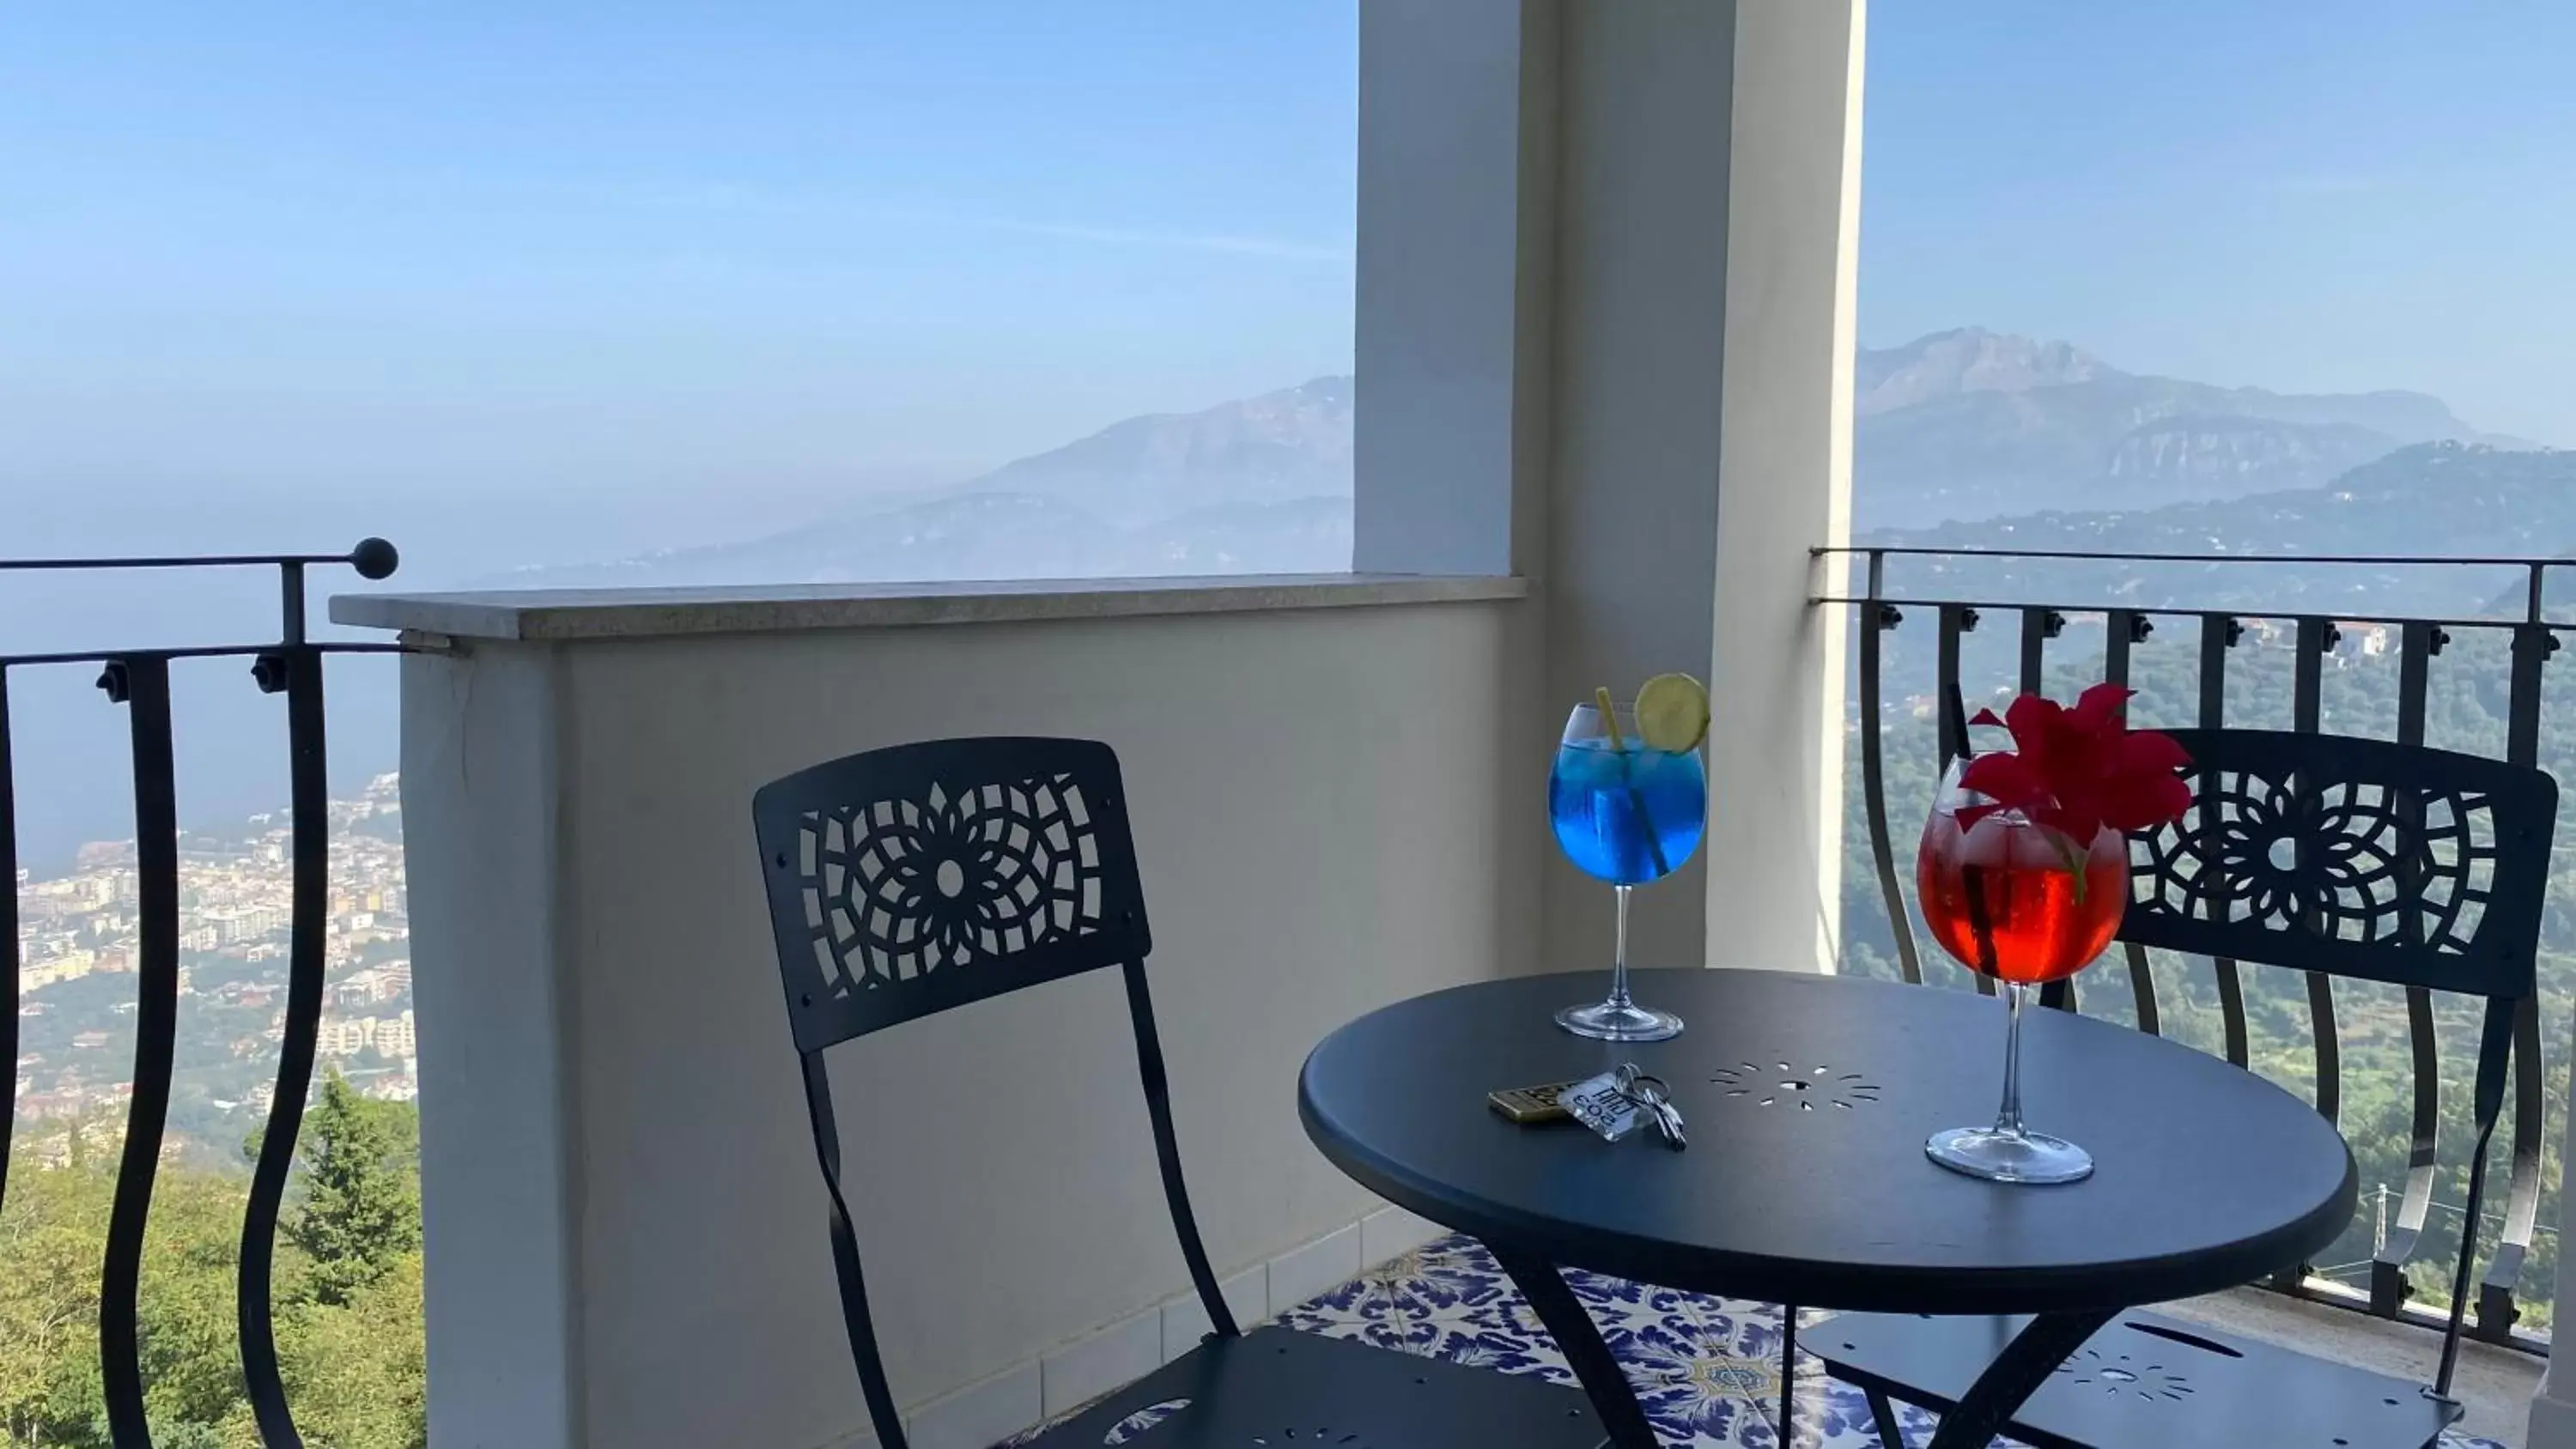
column 1808, row 1099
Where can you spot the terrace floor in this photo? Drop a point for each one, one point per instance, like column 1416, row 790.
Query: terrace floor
column 1708, row 1369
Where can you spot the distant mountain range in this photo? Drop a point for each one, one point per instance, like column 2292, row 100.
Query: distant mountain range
column 1262, row 485
column 1959, row 425
column 1970, row 424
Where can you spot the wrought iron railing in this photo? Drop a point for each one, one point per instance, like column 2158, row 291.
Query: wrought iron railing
column 2129, row 622
column 139, row 680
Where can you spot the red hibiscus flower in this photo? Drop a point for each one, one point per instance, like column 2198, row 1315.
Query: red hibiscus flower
column 2073, row 771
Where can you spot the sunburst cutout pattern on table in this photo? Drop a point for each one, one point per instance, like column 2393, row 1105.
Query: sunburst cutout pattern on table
column 1801, row 1087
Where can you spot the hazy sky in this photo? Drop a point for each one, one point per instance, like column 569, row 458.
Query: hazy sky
column 650, row 249
column 662, row 272
column 2301, row 194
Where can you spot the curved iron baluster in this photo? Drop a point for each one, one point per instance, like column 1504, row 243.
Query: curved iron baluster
column 2497, row 1038
column 8, row 941
column 2388, row 1287
column 2316, row 639
column 2218, row 634
column 2417, row 644
column 2532, row 645
column 1956, row 619
column 298, row 672
column 2122, row 628
column 2497, row 1313
column 1873, row 785
column 142, row 683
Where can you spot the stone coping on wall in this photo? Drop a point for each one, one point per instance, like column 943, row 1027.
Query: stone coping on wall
column 567, row 615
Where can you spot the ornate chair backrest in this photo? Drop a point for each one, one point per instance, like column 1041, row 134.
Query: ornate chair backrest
column 906, row 881
column 2353, row 857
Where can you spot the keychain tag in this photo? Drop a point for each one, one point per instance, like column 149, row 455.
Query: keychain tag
column 1597, row 1103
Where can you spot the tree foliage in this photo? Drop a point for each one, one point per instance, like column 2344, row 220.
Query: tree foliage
column 349, row 1325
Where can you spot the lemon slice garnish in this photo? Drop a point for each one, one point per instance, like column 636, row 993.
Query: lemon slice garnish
column 1672, row 713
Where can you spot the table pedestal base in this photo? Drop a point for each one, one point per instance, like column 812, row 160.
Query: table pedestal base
column 1579, row 1339
column 2017, row 1373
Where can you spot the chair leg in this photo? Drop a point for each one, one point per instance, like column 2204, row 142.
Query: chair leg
column 1788, row 1369
column 1891, row 1435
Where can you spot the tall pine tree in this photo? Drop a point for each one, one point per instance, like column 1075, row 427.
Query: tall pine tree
column 361, row 1208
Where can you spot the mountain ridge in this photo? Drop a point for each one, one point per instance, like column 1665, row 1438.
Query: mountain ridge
column 1961, row 424
column 1970, row 423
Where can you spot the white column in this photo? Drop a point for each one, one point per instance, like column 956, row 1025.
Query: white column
column 1792, row 262
column 1605, row 282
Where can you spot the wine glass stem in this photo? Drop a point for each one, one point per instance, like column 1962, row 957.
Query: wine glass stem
column 1619, row 955
column 2008, row 1116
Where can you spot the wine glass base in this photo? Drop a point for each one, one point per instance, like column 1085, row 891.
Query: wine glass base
column 2000, row 1156
column 1613, row 1021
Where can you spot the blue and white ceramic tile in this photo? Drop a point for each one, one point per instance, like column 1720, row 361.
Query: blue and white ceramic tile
column 1706, row 1369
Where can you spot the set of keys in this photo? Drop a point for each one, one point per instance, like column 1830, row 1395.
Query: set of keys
column 1613, row 1104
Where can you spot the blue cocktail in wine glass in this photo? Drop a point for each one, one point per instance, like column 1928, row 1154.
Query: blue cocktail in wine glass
column 1627, row 812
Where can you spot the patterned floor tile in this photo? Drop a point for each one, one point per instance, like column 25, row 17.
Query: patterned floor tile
column 1707, row 1370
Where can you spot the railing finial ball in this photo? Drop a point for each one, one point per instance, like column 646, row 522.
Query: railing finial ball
column 374, row 558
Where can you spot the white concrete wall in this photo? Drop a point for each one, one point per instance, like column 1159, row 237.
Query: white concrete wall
column 480, row 817
column 625, row 1223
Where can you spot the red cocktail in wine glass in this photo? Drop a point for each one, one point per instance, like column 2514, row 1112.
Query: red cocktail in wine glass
column 2023, row 876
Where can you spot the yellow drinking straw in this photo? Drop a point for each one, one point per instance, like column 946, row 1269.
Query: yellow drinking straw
column 1609, row 717
column 1636, row 797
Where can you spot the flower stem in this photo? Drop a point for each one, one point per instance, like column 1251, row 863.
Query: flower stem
column 2076, row 860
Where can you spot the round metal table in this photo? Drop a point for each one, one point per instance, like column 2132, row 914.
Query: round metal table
column 1807, row 1100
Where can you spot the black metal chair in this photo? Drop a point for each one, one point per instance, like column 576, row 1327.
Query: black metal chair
column 907, row 881
column 2341, row 857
